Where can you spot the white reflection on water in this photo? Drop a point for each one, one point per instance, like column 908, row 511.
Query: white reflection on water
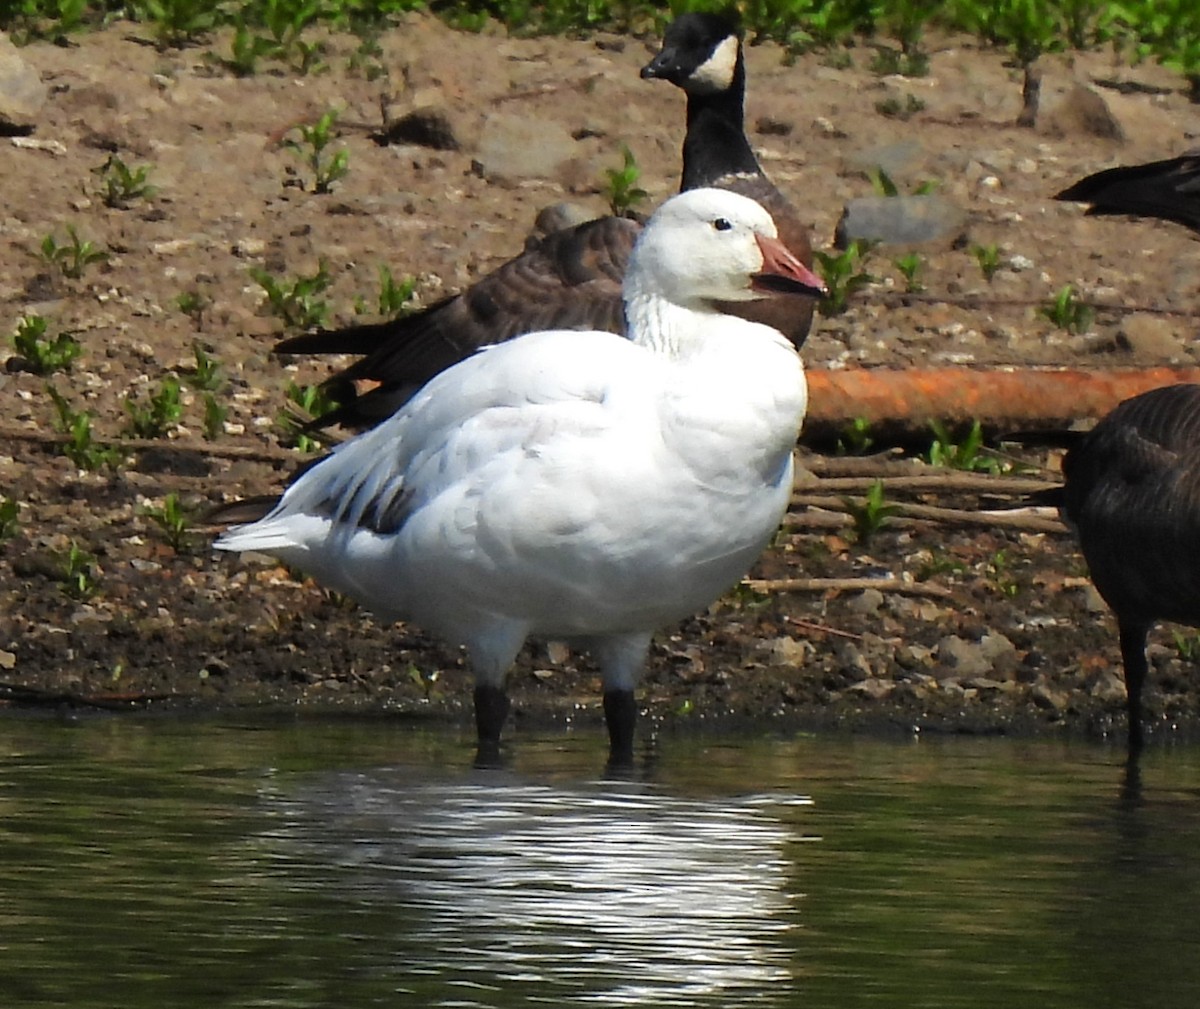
column 607, row 892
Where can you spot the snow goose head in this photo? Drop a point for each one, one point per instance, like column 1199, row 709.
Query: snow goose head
column 710, row 245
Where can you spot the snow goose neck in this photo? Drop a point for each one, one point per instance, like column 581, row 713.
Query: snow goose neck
column 572, row 279
column 1132, row 492
column 575, row 485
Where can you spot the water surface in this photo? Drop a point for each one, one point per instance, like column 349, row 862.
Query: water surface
column 177, row 863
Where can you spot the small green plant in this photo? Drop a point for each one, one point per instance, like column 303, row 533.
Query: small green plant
column 177, row 23
column 296, row 302
column 1067, row 312
column 871, row 513
column 893, row 108
column 286, row 21
column 81, row 447
column 999, row 572
column 1187, row 645
column 159, row 415
column 988, row 258
column 78, row 572
column 856, row 438
column 246, row 49
column 206, row 375
column 967, row 454
column 173, row 520
column 910, row 266
column 843, row 275
column 74, row 258
column 888, row 62
column 622, row 189
column 393, row 296
column 121, row 185
column 312, row 148
column 193, row 304
column 313, row 402
column 40, row 355
column 9, row 511
column 939, row 563
column 885, row 185
column 214, row 417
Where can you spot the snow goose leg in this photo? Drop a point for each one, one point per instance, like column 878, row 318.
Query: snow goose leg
column 1133, row 655
column 492, row 655
column 621, row 658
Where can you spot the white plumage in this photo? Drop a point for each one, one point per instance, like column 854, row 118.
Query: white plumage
column 572, row 485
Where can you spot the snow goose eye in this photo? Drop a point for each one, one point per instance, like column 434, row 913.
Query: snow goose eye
column 722, row 224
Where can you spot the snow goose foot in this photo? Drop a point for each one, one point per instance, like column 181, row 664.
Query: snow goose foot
column 620, row 714
column 491, row 712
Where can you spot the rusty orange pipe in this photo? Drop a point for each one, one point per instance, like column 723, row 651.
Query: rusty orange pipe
column 1016, row 398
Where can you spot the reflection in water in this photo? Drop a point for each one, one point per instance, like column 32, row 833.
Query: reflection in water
column 614, row 893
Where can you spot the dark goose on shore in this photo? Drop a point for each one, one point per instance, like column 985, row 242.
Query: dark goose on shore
column 1132, row 492
column 1167, row 189
column 572, row 279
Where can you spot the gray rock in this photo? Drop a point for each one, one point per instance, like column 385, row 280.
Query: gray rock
column 1084, row 111
column 790, row 651
column 1108, row 688
column 960, row 659
column 22, row 93
column 872, row 687
column 1001, row 653
column 899, row 220
column 898, row 160
column 516, row 147
column 866, row 602
column 851, row 660
column 1047, row 698
column 1150, row 336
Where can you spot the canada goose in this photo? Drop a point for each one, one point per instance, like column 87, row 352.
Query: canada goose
column 572, row 279
column 1168, row 189
column 575, row 485
column 1132, row 492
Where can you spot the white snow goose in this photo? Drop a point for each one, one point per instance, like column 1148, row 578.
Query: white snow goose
column 575, row 485
column 572, row 279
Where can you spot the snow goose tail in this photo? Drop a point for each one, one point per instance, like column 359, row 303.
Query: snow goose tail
column 1132, row 492
column 1167, row 189
column 575, row 485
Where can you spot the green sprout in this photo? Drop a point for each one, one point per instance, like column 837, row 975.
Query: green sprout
column 81, row 447
column 296, row 303
column 74, row 258
column 842, row 275
column 39, row 354
column 622, row 189
column 157, row 417
column 871, row 513
column 1067, row 312
column 121, row 185
column 326, row 167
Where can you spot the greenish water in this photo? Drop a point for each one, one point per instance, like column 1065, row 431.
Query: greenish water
column 171, row 863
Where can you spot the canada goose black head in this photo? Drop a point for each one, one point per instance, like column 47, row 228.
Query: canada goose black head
column 701, row 53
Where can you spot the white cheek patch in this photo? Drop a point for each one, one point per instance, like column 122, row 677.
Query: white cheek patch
column 716, row 72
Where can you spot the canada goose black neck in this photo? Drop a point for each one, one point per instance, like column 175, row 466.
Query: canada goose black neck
column 715, row 144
